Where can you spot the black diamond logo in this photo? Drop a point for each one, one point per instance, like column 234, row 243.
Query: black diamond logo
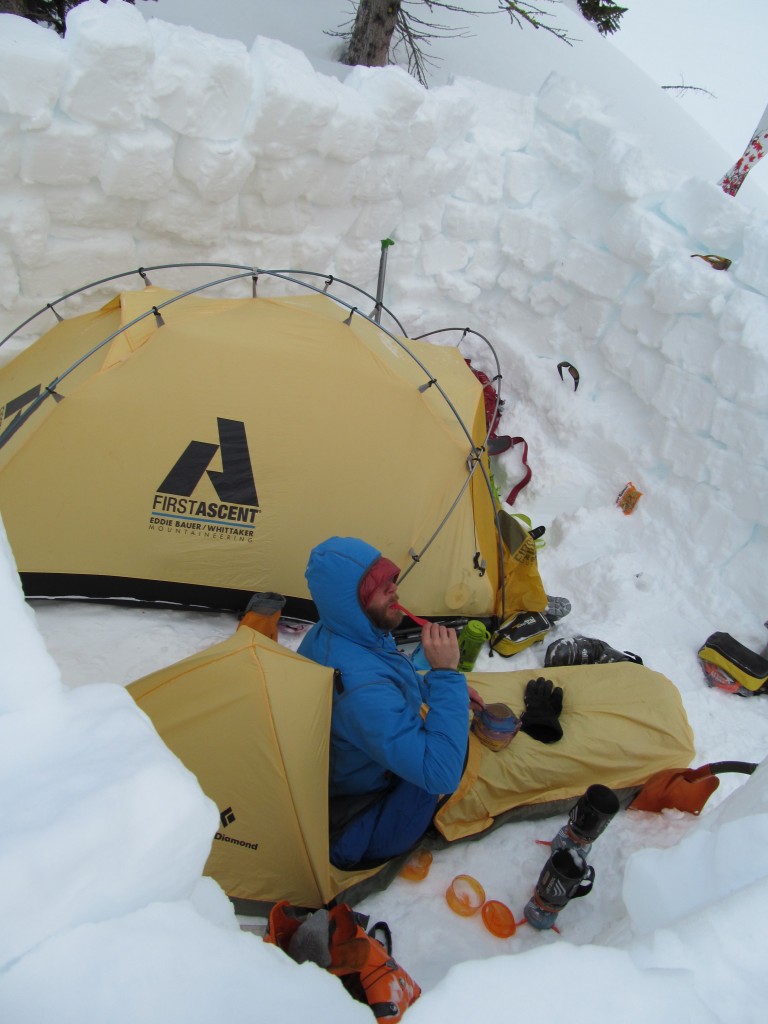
column 227, row 817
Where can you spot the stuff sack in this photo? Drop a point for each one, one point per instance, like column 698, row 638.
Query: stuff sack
column 519, row 632
column 337, row 940
column 731, row 666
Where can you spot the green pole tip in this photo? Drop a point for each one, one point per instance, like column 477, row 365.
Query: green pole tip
column 386, row 242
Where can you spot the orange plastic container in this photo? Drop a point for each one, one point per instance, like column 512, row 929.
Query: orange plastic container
column 465, row 895
column 499, row 919
column 417, row 868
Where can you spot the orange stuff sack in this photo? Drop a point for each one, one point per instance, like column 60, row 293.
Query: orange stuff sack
column 365, row 967
column 262, row 613
column 686, row 790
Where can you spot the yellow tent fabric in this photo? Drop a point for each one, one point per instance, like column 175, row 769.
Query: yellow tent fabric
column 251, row 719
column 206, row 445
column 621, row 724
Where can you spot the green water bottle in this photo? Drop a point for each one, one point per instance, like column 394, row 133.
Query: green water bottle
column 471, row 639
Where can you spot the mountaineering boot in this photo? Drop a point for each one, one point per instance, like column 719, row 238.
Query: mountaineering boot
column 588, row 818
column 565, row 876
column 557, row 608
column 585, row 650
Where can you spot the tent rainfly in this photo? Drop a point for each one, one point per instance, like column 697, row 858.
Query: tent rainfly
column 175, row 447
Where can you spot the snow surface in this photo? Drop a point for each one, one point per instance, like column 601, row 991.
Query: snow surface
column 542, row 220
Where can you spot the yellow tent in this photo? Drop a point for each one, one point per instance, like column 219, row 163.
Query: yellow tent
column 251, row 719
column 195, row 449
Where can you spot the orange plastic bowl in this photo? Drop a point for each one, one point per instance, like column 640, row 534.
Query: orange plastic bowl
column 465, row 895
column 417, row 868
column 499, row 919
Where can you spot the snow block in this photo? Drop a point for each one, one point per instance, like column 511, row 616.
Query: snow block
column 376, row 221
column 138, row 165
column 740, row 430
column 218, row 170
column 637, row 314
column 625, row 170
column 499, row 117
column 583, row 213
column 589, row 316
column 691, row 342
column 639, row 236
column 565, row 101
column 9, row 287
column 660, row 886
column 275, row 218
column 283, row 181
column 532, row 239
column 186, row 216
column 686, row 400
column 646, row 372
column 685, row 285
column 524, row 177
column 742, row 485
column 65, row 153
column 34, row 65
column 619, row 346
column 10, row 147
column 88, row 206
column 687, row 455
column 752, row 268
column 350, row 133
column 71, row 261
column 742, row 376
column 292, row 103
column 594, row 270
column 94, row 747
column 394, row 99
column 561, row 149
column 110, row 54
column 468, row 221
column 28, row 673
column 483, row 180
column 24, row 224
column 743, row 319
column 440, row 256
column 200, row 85
column 707, row 214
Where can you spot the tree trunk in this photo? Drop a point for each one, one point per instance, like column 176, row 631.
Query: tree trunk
column 13, row 7
column 372, row 33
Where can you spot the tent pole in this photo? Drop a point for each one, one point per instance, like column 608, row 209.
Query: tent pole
column 385, row 244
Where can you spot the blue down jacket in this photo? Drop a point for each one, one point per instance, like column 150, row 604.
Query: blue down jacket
column 377, row 730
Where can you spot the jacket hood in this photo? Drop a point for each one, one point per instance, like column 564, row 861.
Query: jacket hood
column 333, row 574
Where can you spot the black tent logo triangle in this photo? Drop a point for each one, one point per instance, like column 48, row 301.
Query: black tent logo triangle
column 234, row 483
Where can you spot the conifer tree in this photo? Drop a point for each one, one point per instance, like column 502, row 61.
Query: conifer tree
column 44, row 12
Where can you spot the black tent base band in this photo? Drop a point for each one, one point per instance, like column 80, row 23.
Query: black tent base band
column 149, row 593
column 138, row 593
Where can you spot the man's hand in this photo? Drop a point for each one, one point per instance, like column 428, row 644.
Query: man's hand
column 440, row 646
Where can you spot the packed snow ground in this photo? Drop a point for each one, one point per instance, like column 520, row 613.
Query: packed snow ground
column 540, row 221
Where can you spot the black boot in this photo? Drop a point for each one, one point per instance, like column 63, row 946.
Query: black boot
column 585, row 650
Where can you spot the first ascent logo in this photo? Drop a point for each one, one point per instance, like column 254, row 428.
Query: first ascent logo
column 175, row 509
column 14, row 407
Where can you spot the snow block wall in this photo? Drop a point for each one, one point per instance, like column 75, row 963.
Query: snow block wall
column 534, row 219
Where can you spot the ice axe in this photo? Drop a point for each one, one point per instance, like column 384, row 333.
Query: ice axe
column 687, row 789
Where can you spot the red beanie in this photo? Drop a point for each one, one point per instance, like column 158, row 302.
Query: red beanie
column 382, row 571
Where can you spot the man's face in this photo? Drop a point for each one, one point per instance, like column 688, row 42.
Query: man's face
column 381, row 610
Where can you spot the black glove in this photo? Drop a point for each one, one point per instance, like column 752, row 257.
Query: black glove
column 543, row 704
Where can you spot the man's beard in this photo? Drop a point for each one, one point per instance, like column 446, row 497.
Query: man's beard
column 387, row 620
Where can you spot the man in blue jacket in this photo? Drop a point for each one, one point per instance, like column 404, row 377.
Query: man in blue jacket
column 390, row 761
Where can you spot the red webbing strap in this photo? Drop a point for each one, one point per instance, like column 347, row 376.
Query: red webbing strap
column 510, row 499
